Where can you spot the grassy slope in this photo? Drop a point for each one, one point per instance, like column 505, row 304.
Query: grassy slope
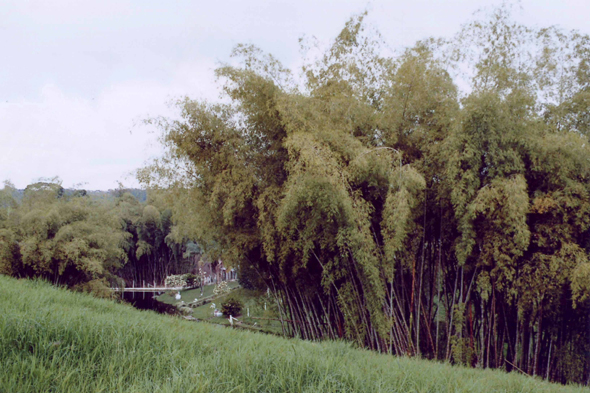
column 54, row 340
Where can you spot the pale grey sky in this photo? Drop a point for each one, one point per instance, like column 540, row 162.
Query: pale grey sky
column 75, row 76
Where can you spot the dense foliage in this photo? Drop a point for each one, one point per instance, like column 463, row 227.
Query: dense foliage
column 232, row 306
column 380, row 203
column 86, row 243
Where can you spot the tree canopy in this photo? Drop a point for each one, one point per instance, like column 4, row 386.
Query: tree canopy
column 89, row 244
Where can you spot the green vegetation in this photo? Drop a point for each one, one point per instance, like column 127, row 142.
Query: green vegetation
column 190, row 295
column 232, row 305
column 110, row 195
column 264, row 314
column 372, row 200
column 66, row 240
column 89, row 244
column 52, row 340
column 260, row 319
column 382, row 204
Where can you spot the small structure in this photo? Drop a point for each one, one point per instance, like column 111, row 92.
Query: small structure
column 230, row 275
column 214, row 272
column 231, row 320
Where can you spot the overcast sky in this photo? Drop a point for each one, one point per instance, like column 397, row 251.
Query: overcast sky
column 75, row 76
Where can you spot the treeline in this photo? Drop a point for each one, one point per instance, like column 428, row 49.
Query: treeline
column 87, row 243
column 381, row 203
column 109, row 195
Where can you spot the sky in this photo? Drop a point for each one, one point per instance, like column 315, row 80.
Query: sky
column 77, row 77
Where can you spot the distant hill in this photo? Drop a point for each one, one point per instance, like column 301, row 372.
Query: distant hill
column 139, row 194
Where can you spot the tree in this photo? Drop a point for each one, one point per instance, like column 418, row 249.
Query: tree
column 68, row 241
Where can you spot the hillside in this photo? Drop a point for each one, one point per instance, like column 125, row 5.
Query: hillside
column 59, row 341
column 109, row 195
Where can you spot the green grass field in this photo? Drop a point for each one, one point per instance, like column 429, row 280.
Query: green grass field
column 192, row 294
column 52, row 340
column 260, row 318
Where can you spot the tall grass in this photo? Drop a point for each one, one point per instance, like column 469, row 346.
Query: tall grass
column 52, row 340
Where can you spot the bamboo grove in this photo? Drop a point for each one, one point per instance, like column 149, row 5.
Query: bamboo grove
column 383, row 204
column 88, row 243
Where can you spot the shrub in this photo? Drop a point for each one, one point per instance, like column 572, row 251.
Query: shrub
column 221, row 288
column 232, row 306
column 175, row 281
column 97, row 287
column 190, row 279
column 184, row 310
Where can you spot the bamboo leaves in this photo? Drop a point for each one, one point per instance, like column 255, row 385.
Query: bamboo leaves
column 399, row 214
column 381, row 208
